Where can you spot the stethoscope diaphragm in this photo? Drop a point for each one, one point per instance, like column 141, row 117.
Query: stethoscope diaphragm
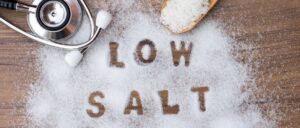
column 53, row 15
column 55, row 19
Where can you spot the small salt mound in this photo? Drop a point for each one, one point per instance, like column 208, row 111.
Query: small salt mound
column 179, row 15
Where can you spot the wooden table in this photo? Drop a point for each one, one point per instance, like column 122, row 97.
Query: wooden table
column 272, row 27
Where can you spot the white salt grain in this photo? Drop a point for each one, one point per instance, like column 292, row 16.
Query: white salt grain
column 60, row 97
column 178, row 15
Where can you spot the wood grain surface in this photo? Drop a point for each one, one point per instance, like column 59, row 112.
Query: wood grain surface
column 270, row 27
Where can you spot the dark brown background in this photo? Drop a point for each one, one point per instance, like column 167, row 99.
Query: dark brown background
column 271, row 27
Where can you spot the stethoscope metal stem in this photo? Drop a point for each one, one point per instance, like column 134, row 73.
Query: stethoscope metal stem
column 88, row 12
column 51, row 43
column 25, row 7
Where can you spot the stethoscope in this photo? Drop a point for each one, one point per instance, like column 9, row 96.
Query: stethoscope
column 53, row 21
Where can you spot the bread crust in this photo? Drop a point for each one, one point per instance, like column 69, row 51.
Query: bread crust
column 193, row 24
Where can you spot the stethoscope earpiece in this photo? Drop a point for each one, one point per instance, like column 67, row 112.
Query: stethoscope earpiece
column 103, row 19
column 73, row 58
column 53, row 20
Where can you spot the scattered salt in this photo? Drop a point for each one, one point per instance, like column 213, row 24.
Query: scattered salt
column 60, row 97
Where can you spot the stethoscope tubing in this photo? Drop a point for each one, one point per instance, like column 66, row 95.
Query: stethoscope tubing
column 82, row 46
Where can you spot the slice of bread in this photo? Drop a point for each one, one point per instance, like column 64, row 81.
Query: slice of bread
column 184, row 19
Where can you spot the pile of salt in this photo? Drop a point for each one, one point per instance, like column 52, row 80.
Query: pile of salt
column 60, row 97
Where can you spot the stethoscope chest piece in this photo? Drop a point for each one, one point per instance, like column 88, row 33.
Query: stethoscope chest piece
column 55, row 19
column 52, row 22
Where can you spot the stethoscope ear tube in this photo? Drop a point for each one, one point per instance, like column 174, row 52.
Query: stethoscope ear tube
column 15, row 5
column 8, row 4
